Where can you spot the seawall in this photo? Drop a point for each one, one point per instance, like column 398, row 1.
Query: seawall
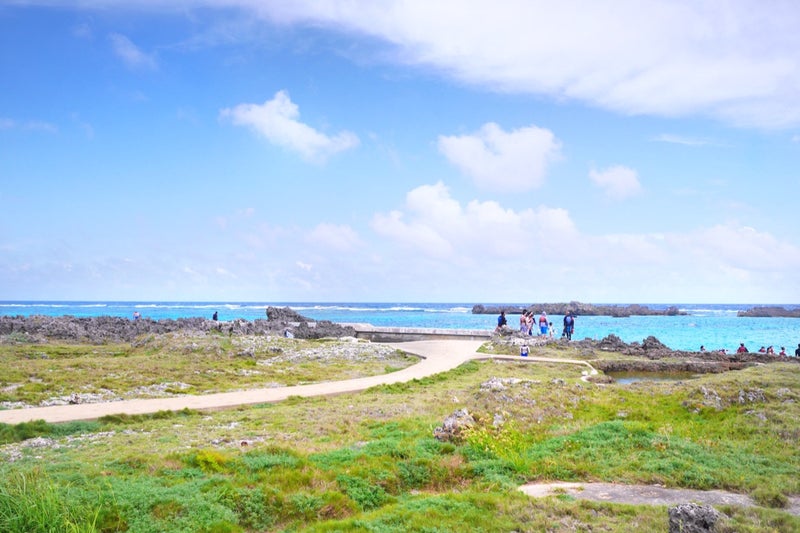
column 391, row 334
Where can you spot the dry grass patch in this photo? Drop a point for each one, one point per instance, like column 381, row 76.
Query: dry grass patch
column 180, row 363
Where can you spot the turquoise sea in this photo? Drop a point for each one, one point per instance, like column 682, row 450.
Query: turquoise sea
column 713, row 325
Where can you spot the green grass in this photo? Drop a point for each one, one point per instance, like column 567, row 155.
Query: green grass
column 174, row 364
column 32, row 502
column 40, row 428
column 368, row 461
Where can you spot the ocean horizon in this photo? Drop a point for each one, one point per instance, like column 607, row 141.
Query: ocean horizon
column 714, row 326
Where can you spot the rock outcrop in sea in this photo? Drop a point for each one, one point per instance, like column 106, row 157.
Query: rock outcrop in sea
column 579, row 309
column 105, row 329
column 770, row 311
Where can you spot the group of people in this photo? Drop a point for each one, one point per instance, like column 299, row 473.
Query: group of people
column 767, row 350
column 544, row 327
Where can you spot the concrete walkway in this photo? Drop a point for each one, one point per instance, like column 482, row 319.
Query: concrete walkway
column 436, row 356
column 646, row 494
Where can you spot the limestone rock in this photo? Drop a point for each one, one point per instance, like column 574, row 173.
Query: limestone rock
column 453, row 426
column 693, row 518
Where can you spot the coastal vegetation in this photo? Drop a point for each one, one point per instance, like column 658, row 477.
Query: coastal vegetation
column 369, row 461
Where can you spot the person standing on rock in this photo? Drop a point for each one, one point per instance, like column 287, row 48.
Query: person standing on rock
column 523, row 323
column 501, row 321
column 543, row 324
column 569, row 325
column 797, row 351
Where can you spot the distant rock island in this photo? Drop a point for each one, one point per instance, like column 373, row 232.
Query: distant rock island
column 579, row 308
column 770, row 311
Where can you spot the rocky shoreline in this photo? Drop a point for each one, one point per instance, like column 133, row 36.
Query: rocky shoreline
column 579, row 309
column 650, row 355
column 105, row 329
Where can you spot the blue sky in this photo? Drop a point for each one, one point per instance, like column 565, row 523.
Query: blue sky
column 609, row 151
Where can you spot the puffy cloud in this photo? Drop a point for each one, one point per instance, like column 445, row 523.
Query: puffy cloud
column 130, row 54
column 277, row 120
column 482, row 247
column 500, row 160
column 618, row 182
column 725, row 262
column 740, row 247
column 437, row 225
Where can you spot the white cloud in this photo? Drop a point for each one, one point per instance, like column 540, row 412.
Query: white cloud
column 27, row 125
column 436, row 225
column 725, row 262
column 437, row 243
column 277, row 120
column 342, row 238
column 130, row 54
column 304, row 266
column 686, row 141
column 736, row 61
column 499, row 160
column 618, row 182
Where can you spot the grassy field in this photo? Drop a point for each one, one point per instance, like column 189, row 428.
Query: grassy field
column 368, row 461
column 181, row 363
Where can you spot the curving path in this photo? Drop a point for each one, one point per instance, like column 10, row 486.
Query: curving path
column 435, row 357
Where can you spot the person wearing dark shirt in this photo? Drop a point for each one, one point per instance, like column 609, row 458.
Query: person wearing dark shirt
column 569, row 325
column 501, row 321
